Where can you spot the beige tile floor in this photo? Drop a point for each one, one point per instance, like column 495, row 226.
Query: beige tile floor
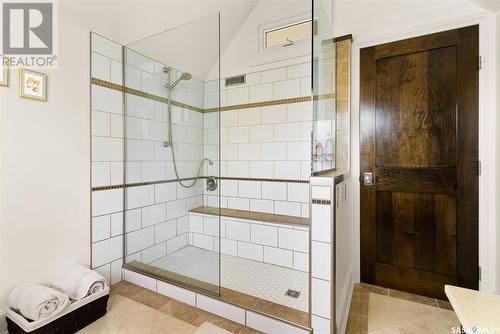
column 374, row 310
column 377, row 310
column 135, row 310
column 128, row 316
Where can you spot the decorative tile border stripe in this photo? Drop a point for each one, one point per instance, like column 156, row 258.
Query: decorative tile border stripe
column 261, row 180
column 321, row 201
column 272, row 102
column 136, row 92
column 140, row 184
column 329, row 96
column 106, row 84
column 261, row 104
column 110, row 187
column 161, row 99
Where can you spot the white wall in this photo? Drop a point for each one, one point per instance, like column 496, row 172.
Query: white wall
column 362, row 18
column 418, row 17
column 3, row 324
column 498, row 145
column 242, row 55
column 368, row 19
column 45, row 170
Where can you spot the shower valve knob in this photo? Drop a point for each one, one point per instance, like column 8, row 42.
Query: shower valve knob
column 211, row 184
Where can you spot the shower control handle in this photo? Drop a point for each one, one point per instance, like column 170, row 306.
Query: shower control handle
column 211, row 183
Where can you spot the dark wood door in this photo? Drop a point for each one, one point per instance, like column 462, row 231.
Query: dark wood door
column 419, row 138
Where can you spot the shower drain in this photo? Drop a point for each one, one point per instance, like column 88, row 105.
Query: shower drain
column 292, row 293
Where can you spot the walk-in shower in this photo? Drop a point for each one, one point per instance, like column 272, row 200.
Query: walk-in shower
column 202, row 181
column 167, row 156
column 222, row 202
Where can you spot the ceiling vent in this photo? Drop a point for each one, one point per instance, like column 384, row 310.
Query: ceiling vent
column 237, row 80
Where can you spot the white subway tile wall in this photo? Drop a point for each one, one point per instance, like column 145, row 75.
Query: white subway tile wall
column 269, row 325
column 324, row 216
column 265, row 142
column 156, row 216
column 225, row 310
column 271, row 142
column 278, row 244
column 283, row 198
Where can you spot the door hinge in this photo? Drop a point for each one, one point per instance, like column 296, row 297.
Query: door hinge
column 479, row 167
column 479, row 272
column 479, row 63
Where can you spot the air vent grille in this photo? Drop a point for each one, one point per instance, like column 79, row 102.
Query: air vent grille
column 237, row 80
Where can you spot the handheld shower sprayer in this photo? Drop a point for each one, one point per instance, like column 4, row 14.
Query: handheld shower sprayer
column 184, row 76
column 169, row 142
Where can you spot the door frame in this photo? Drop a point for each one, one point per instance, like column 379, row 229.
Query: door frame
column 487, row 142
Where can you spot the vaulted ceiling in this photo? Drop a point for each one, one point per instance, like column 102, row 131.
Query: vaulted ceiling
column 129, row 21
column 190, row 41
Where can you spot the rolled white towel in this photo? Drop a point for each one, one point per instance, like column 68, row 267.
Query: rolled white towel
column 36, row 301
column 78, row 281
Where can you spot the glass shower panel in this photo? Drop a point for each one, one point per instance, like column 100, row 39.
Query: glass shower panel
column 323, row 141
column 171, row 126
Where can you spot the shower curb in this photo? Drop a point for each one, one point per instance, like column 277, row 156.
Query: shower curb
column 211, row 303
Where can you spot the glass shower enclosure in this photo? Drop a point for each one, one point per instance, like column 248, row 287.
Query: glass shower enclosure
column 200, row 211
column 324, row 88
column 216, row 191
column 172, row 167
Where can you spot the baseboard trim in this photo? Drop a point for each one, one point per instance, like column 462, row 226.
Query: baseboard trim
column 346, row 300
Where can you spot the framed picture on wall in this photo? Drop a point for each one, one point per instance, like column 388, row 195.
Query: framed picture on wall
column 4, row 72
column 33, row 85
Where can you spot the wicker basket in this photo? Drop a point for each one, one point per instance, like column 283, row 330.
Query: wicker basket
column 79, row 314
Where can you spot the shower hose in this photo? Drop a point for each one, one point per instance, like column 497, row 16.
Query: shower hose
column 171, row 143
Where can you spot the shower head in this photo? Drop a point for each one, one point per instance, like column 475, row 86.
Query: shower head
column 184, row 76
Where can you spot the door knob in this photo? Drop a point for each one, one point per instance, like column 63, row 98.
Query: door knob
column 368, row 178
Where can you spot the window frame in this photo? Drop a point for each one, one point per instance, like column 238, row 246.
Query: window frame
column 282, row 24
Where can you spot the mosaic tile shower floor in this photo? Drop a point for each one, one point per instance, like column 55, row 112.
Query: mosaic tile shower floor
column 250, row 277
